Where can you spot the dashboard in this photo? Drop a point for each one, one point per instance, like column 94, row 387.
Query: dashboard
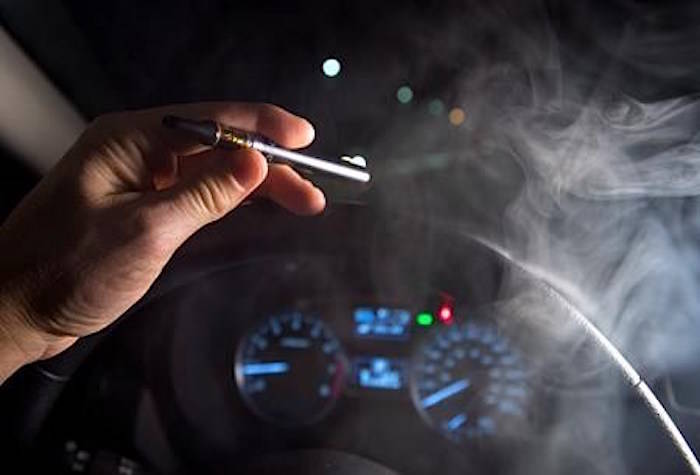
column 462, row 375
column 401, row 352
column 318, row 361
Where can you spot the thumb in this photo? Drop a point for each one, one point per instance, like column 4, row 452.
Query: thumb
column 215, row 182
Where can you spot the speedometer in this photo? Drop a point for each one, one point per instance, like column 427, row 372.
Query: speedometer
column 291, row 369
column 468, row 383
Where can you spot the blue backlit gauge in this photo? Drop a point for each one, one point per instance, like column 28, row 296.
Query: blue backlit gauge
column 291, row 369
column 468, row 383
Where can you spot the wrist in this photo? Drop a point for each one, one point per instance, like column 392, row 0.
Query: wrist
column 20, row 343
column 15, row 347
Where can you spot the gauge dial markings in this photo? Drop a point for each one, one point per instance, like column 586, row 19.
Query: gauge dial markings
column 290, row 369
column 468, row 382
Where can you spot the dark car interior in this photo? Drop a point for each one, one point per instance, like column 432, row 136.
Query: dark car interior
column 399, row 331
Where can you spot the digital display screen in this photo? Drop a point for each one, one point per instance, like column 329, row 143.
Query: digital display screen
column 379, row 373
column 382, row 322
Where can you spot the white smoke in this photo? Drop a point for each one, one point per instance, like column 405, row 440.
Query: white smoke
column 605, row 208
column 608, row 150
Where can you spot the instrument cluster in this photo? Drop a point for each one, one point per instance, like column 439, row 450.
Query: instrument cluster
column 462, row 374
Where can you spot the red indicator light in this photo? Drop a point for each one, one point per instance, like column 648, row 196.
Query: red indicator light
column 445, row 314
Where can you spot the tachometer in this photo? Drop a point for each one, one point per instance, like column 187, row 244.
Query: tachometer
column 467, row 382
column 291, row 369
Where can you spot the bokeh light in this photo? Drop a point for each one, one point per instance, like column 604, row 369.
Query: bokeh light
column 331, row 67
column 404, row 94
column 456, row 116
column 436, row 107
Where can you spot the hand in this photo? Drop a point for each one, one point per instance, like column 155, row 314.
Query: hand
column 95, row 233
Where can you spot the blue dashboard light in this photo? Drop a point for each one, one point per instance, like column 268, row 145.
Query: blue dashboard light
column 403, row 316
column 382, row 323
column 379, row 373
column 364, row 315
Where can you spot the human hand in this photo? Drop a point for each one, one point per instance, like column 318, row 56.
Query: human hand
column 94, row 234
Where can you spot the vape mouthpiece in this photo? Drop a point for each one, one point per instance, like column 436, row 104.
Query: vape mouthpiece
column 207, row 132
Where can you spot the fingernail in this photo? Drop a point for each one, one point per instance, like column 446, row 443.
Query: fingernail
column 312, row 132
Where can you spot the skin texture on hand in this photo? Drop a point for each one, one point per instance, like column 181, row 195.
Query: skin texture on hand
column 94, row 234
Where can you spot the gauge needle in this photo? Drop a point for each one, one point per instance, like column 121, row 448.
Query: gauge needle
column 442, row 394
column 273, row 367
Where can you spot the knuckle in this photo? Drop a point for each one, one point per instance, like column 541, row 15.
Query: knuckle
column 213, row 197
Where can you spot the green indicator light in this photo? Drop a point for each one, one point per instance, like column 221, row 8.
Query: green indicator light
column 424, row 319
